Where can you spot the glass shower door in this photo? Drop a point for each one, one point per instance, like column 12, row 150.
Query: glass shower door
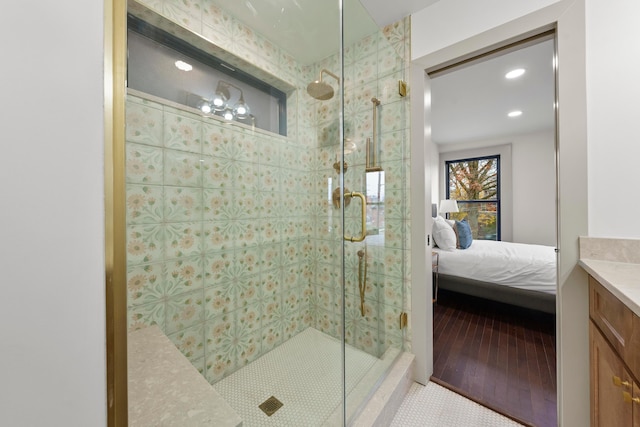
column 375, row 152
column 267, row 199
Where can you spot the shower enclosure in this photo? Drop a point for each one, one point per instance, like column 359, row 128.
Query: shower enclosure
column 268, row 237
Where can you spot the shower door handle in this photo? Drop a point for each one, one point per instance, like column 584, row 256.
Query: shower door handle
column 363, row 201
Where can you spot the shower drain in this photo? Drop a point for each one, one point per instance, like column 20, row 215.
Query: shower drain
column 270, row 406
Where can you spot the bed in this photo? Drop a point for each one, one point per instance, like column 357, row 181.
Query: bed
column 513, row 273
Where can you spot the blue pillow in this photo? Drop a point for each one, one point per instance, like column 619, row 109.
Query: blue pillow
column 464, row 234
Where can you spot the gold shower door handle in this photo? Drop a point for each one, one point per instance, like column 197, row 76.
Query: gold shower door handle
column 363, row 201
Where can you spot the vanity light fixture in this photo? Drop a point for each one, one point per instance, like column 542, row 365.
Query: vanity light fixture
column 222, row 99
column 229, row 105
column 515, row 113
column 514, row 73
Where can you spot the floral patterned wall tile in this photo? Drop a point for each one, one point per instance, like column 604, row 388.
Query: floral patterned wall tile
column 182, row 204
column 183, row 275
column 217, row 172
column 218, row 360
column 183, row 239
column 140, row 316
column 145, row 284
column 190, row 342
column 182, row 169
column 144, row 204
column 185, row 13
column 145, row 244
column 182, row 131
column 144, row 122
column 230, row 247
column 144, row 164
column 184, row 311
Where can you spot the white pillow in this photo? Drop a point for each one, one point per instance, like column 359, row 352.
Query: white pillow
column 443, row 234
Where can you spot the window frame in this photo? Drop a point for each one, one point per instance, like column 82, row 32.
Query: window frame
column 497, row 200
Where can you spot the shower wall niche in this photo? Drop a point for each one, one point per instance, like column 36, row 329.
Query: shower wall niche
column 233, row 245
column 164, row 65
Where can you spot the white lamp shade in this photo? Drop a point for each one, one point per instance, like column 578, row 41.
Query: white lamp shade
column 448, row 206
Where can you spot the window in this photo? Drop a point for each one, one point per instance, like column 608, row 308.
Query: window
column 475, row 184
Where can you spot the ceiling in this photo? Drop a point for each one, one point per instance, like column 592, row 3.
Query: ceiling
column 468, row 104
column 385, row 12
column 307, row 29
column 471, row 103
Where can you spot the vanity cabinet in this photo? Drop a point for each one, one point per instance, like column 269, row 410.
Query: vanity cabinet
column 614, row 332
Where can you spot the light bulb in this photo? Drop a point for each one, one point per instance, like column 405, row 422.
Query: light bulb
column 218, row 102
column 228, row 115
column 205, row 108
column 241, row 109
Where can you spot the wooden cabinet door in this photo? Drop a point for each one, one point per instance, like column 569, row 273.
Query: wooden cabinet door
column 636, row 405
column 608, row 406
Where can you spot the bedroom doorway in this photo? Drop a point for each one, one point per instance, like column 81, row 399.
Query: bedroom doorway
column 494, row 337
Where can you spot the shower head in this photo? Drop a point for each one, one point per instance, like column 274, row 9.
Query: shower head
column 321, row 90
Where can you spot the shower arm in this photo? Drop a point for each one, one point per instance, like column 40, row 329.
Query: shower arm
column 325, row 71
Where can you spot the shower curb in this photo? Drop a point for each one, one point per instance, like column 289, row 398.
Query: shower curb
column 383, row 405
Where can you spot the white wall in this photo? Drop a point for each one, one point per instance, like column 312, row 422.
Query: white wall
column 533, row 180
column 613, row 91
column 465, row 19
column 52, row 304
column 534, row 189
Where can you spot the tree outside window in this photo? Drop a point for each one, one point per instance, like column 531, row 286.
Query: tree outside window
column 475, row 185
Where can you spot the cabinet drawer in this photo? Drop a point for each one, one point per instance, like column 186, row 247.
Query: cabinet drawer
column 614, row 319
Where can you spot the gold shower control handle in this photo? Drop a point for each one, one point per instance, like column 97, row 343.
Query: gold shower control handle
column 363, row 201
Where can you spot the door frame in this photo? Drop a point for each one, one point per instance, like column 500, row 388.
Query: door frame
column 567, row 17
column 115, row 65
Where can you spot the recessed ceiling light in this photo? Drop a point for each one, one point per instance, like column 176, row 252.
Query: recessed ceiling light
column 515, row 113
column 514, row 73
column 183, row 66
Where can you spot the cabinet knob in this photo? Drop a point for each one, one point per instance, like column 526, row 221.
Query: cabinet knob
column 628, row 398
column 617, row 381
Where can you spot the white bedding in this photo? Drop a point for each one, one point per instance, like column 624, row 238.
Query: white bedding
column 518, row 265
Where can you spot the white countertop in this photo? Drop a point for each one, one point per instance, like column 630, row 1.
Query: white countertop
column 621, row 279
column 165, row 389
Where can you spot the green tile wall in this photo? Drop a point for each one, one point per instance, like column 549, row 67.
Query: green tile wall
column 232, row 244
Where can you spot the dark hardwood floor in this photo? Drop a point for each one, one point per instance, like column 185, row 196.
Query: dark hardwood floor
column 500, row 356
